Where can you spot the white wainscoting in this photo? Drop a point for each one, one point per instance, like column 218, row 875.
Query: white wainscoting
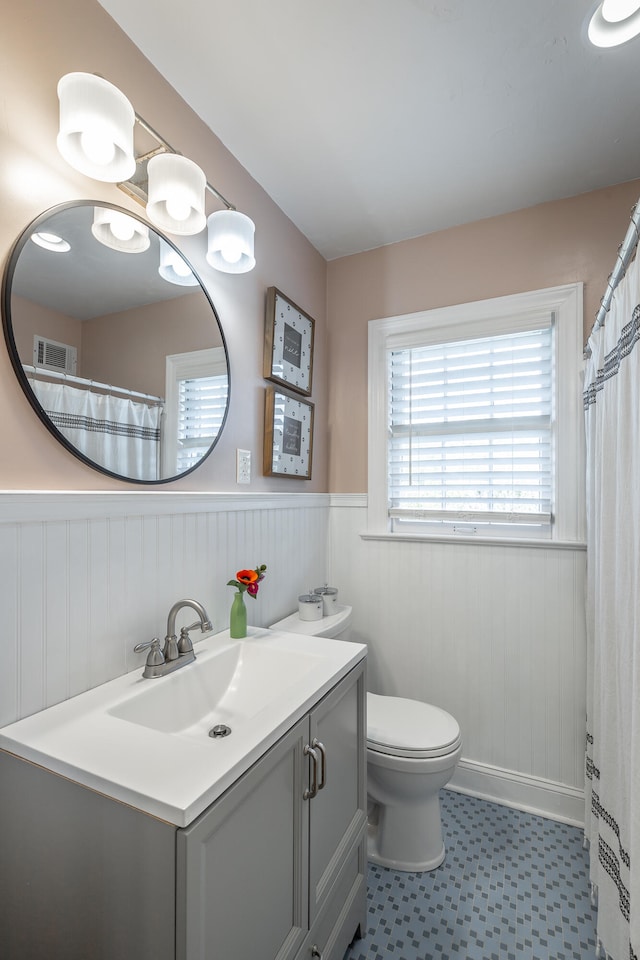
column 84, row 577
column 492, row 633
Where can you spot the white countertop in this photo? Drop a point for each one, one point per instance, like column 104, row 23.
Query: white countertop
column 173, row 775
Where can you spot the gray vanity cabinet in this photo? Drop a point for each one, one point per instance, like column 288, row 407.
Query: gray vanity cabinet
column 268, row 872
column 263, row 872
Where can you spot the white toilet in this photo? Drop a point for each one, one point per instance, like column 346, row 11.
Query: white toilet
column 412, row 751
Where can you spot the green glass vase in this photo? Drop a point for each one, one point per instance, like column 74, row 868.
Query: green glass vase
column 238, row 617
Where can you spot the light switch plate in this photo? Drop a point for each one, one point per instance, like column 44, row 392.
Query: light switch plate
column 243, row 466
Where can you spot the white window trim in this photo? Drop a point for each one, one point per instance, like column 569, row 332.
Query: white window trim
column 210, row 362
column 464, row 321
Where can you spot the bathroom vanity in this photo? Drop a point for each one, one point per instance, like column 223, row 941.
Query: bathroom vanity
column 235, row 852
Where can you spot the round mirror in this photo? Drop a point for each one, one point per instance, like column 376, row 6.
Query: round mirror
column 115, row 342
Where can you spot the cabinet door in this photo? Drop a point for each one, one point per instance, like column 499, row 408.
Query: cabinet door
column 81, row 877
column 338, row 814
column 242, row 886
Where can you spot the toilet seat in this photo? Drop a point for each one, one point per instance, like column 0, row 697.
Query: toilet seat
column 410, row 728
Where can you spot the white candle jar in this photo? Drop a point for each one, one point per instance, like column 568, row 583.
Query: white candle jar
column 310, row 607
column 329, row 599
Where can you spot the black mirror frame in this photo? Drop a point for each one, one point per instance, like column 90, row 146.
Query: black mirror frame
column 7, row 326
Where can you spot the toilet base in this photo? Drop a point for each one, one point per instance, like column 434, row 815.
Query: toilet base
column 406, row 837
column 404, row 866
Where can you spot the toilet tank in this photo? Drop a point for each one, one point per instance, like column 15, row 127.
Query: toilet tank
column 338, row 625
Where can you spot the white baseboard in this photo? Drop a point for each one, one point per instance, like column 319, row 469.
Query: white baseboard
column 546, row 798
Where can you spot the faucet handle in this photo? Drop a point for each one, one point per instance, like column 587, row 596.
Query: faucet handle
column 184, row 643
column 155, row 656
column 203, row 624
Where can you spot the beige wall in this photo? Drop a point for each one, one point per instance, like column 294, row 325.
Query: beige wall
column 39, row 43
column 554, row 243
column 29, row 319
column 151, row 333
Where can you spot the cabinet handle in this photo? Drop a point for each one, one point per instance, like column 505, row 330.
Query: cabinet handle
column 315, row 952
column 323, row 753
column 310, row 794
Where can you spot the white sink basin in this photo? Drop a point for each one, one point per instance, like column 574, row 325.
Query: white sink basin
column 228, row 686
column 146, row 743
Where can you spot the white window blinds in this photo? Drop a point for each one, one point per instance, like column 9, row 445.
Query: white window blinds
column 470, row 431
column 202, row 403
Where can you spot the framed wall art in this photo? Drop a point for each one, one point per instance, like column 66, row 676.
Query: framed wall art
column 288, row 435
column 288, row 343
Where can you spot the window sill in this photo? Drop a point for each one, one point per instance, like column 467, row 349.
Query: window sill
column 484, row 541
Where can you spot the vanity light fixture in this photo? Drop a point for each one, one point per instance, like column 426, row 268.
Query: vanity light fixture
column 52, row 242
column 174, row 268
column 119, row 232
column 614, row 22
column 96, row 138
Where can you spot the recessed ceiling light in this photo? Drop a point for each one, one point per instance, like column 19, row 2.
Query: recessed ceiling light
column 614, row 22
column 616, row 10
column 51, row 241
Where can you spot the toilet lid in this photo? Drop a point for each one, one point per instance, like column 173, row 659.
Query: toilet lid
column 410, row 728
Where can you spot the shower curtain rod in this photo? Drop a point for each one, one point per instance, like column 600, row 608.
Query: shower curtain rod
column 626, row 251
column 69, row 378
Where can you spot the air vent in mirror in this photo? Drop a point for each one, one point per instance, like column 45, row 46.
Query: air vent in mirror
column 51, row 355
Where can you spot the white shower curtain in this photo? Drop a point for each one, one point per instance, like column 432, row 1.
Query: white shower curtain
column 118, row 434
column 612, row 814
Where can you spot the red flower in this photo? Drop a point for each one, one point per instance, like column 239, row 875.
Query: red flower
column 246, row 576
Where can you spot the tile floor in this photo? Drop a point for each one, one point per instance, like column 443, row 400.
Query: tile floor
column 512, row 887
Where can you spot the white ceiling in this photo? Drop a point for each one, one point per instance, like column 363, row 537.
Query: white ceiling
column 372, row 121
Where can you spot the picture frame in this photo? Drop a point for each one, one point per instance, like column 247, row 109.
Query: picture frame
column 288, row 343
column 288, row 435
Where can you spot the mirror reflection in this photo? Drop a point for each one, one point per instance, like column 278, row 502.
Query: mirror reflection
column 116, row 342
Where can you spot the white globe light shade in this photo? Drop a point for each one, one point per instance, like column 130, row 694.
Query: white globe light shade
column 230, row 246
column 174, row 268
column 176, row 194
column 96, row 128
column 119, row 231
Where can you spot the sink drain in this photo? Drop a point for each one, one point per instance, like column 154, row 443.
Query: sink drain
column 220, row 730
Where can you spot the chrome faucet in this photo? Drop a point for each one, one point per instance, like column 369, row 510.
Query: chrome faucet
column 177, row 652
column 174, row 648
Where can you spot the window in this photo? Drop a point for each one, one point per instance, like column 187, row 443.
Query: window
column 475, row 419
column 197, row 386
